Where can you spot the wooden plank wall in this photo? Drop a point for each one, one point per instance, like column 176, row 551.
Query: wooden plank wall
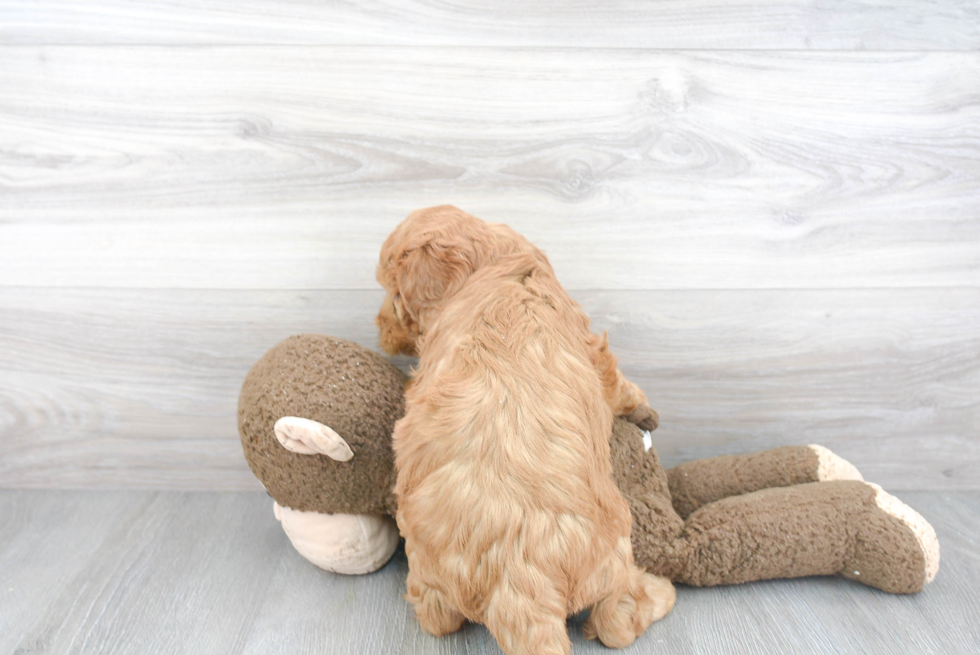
column 774, row 209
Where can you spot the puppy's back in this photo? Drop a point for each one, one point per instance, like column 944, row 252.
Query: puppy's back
column 504, row 472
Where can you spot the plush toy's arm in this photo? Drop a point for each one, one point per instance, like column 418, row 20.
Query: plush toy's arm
column 695, row 484
column 843, row 527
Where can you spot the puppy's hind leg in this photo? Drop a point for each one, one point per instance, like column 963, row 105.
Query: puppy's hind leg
column 526, row 624
column 631, row 601
column 432, row 608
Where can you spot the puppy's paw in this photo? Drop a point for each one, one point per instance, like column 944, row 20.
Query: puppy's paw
column 432, row 608
column 654, row 601
column 618, row 622
column 644, row 418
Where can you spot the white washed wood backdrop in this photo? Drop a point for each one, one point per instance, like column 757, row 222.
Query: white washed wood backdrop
column 774, row 208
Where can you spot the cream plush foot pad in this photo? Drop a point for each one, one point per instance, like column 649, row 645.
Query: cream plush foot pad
column 923, row 532
column 892, row 547
column 833, row 467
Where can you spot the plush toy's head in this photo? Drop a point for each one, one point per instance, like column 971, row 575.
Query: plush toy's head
column 356, row 392
column 360, row 395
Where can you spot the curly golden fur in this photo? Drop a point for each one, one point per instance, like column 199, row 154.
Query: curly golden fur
column 505, row 496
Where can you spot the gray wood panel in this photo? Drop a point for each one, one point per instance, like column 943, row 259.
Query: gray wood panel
column 779, row 24
column 285, row 167
column 138, row 388
column 125, row 572
column 133, row 572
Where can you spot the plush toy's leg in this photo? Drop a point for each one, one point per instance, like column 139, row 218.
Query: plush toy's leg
column 695, row 484
column 342, row 543
column 848, row 527
column 624, row 398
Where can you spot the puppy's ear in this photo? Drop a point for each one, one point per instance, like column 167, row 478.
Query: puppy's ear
column 433, row 271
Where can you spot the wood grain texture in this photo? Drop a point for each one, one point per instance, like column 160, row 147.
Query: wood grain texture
column 138, row 388
column 784, row 246
column 272, row 167
column 178, row 573
column 124, row 572
column 774, row 24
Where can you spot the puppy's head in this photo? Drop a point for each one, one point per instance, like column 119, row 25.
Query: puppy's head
column 425, row 261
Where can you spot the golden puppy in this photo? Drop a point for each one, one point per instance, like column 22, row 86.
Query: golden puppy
column 505, row 499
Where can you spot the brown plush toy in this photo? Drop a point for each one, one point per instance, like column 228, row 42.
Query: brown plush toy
column 333, row 493
column 316, row 415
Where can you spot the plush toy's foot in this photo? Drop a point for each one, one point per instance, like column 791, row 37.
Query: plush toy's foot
column 342, row 543
column 831, row 466
column 895, row 549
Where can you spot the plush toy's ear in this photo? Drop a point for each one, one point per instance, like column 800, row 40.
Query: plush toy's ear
column 306, row 437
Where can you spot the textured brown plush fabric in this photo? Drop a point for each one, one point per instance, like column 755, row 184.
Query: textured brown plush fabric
column 643, row 482
column 356, row 392
column 732, row 475
column 818, row 528
column 733, row 533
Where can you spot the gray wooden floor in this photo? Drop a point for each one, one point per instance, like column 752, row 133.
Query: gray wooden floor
column 203, row 572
